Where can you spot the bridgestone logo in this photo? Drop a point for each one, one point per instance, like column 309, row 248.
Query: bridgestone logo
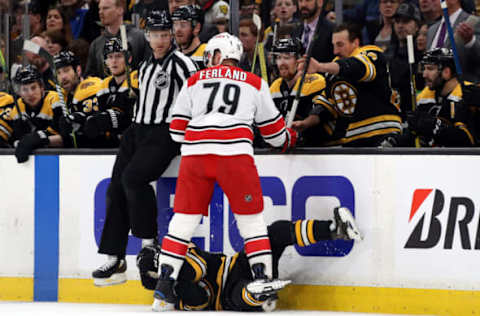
column 437, row 229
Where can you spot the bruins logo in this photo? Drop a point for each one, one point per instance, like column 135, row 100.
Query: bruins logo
column 345, row 96
column 87, row 84
column 162, row 80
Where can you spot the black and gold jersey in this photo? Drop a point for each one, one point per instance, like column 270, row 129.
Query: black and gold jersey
column 451, row 111
column 7, row 103
column 363, row 97
column 197, row 56
column 312, row 88
column 34, row 119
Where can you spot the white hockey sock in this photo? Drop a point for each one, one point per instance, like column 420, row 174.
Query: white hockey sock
column 175, row 243
column 254, row 232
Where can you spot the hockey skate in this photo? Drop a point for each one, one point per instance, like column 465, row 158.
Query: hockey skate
column 164, row 295
column 111, row 273
column 345, row 226
column 261, row 287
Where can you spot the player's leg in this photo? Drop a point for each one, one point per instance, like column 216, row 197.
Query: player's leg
column 153, row 153
column 238, row 177
column 114, row 237
column 193, row 193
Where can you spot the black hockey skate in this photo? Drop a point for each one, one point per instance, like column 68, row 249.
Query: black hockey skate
column 345, row 226
column 261, row 287
column 164, row 295
column 111, row 273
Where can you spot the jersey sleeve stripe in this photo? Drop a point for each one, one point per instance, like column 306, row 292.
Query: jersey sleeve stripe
column 178, row 125
column 272, row 128
column 230, row 134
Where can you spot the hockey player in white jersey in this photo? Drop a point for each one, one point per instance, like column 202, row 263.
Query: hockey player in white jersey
column 212, row 118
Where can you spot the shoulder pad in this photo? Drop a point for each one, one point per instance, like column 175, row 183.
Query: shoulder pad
column 275, row 86
column 87, row 88
column 314, row 83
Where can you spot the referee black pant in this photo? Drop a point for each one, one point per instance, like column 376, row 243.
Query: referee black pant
column 145, row 153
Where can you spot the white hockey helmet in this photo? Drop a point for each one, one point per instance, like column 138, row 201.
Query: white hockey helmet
column 229, row 46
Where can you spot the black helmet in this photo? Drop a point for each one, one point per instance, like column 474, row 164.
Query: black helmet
column 441, row 57
column 65, row 58
column 113, row 45
column 288, row 45
column 159, row 20
column 28, row 74
column 192, row 13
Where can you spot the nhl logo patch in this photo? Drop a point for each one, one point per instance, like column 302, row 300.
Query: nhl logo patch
column 162, row 80
column 248, row 198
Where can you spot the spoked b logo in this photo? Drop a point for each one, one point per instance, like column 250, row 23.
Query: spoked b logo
column 438, row 228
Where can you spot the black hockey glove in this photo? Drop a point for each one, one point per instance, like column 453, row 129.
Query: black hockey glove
column 71, row 123
column 147, row 263
column 29, row 143
column 100, row 123
column 424, row 124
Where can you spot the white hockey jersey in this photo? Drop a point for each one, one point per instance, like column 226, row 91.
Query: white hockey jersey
column 214, row 113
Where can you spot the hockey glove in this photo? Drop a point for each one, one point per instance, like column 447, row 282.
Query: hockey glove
column 291, row 140
column 29, row 143
column 71, row 123
column 424, row 124
column 147, row 263
column 100, row 123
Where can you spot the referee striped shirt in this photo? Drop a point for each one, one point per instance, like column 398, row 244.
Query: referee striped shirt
column 159, row 84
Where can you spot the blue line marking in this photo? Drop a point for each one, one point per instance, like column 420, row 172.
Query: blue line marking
column 45, row 286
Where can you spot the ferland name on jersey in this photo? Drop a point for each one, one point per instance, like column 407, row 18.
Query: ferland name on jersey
column 223, row 73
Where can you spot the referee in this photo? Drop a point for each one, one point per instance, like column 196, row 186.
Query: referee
column 145, row 151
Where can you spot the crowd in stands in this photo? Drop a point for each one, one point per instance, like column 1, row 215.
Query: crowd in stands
column 360, row 90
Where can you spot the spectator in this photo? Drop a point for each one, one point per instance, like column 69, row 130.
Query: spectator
column 174, row 4
column 284, row 11
column 42, row 64
column 441, row 117
column 359, row 88
column 79, row 48
column 111, row 15
column 311, row 14
column 406, row 22
column 36, row 27
column 387, row 10
column 187, row 24
column 366, row 14
column 221, row 16
column 57, row 20
column 248, row 36
column 431, row 11
column 209, row 29
column 422, row 37
column 91, row 25
column 55, row 40
column 75, row 14
column 467, row 38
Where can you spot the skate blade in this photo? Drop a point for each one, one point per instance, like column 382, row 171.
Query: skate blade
column 266, row 287
column 352, row 229
column 115, row 279
column 162, row 306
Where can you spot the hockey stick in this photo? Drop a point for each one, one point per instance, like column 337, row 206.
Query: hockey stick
column 258, row 24
column 443, row 4
column 298, row 93
column 123, row 36
column 40, row 51
column 411, row 62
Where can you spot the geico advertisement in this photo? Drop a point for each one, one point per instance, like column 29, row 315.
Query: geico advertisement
column 294, row 187
column 438, row 223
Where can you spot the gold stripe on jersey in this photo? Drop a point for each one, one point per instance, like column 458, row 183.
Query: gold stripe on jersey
column 198, row 264
column 249, row 299
column 378, row 125
column 321, row 100
column 5, row 130
column 464, row 128
column 365, row 54
column 304, row 232
column 198, row 53
column 314, row 83
column 221, row 271
column 371, row 134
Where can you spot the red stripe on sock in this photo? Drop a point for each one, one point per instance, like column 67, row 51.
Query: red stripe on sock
column 257, row 245
column 174, row 246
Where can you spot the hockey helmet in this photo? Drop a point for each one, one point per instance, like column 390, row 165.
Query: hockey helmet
column 113, row 45
column 28, row 74
column 442, row 57
column 65, row 58
column 288, row 45
column 192, row 13
column 229, row 46
column 159, row 20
